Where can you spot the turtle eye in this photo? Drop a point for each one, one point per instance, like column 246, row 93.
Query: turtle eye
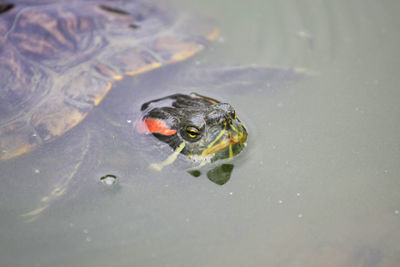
column 192, row 132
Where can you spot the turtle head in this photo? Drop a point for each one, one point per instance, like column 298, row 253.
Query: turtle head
column 214, row 133
column 209, row 129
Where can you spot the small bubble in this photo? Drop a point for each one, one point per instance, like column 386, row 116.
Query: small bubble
column 109, row 179
column 187, row 220
column 37, row 171
column 298, row 194
column 129, row 121
column 88, row 239
column 280, row 201
column 34, row 135
column 304, row 34
column 86, row 231
column 231, row 193
column 300, row 215
column 397, row 212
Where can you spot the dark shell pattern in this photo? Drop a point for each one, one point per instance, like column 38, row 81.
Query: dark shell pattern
column 59, row 59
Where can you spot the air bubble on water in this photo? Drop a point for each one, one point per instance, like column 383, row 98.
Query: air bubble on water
column 86, row 231
column 298, row 194
column 129, row 121
column 280, row 201
column 109, row 179
column 397, row 212
column 88, row 239
column 300, row 215
column 231, row 193
column 304, row 34
column 37, row 171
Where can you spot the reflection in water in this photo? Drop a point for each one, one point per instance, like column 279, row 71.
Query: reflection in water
column 194, row 173
column 219, row 175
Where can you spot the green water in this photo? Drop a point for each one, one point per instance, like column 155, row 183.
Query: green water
column 318, row 184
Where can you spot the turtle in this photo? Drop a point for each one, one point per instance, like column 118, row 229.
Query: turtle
column 200, row 127
column 59, row 60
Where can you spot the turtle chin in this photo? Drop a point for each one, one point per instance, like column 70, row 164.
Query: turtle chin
column 228, row 152
column 225, row 141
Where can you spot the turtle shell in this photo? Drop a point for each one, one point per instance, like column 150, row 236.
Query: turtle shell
column 59, row 59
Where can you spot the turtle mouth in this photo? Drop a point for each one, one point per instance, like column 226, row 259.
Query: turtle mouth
column 230, row 140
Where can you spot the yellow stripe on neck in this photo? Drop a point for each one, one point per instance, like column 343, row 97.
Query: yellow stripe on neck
column 171, row 159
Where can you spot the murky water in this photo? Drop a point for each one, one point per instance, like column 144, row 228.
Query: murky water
column 318, row 184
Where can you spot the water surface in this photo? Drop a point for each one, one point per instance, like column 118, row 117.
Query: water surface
column 318, row 184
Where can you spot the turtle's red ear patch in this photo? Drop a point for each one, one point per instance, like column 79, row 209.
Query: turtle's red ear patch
column 149, row 125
